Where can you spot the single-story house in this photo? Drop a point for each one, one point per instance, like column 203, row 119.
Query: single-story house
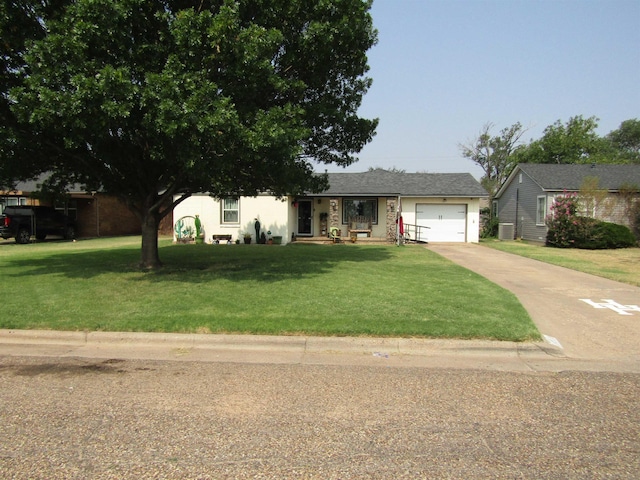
column 523, row 202
column 435, row 207
column 96, row 214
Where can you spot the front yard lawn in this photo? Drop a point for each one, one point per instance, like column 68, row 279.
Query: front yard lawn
column 295, row 289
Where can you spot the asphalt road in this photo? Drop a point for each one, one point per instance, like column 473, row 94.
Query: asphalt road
column 111, row 419
column 100, row 406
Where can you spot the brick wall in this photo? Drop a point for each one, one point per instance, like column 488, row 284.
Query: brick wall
column 104, row 216
column 614, row 208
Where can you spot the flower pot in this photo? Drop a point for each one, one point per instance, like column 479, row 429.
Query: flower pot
column 247, row 240
column 277, row 240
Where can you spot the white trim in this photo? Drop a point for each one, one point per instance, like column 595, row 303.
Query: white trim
column 541, row 221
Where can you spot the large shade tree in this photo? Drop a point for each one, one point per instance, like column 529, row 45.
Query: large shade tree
column 153, row 100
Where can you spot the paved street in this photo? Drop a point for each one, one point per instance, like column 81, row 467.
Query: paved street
column 110, row 419
column 100, row 405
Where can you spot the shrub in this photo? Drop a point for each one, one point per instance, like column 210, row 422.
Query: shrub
column 568, row 230
column 490, row 227
column 605, row 235
column 562, row 222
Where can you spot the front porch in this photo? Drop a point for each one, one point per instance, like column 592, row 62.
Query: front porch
column 326, row 240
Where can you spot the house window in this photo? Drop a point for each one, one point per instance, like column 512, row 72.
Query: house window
column 230, row 210
column 494, row 209
column 11, row 201
column 69, row 208
column 541, row 210
column 366, row 207
column 16, row 201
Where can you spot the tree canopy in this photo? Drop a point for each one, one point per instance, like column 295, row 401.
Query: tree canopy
column 148, row 99
column 21, row 21
column 573, row 142
column 626, row 140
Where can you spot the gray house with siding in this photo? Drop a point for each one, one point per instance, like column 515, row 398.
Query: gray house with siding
column 524, row 200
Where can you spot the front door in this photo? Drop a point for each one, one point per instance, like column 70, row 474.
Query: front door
column 305, row 217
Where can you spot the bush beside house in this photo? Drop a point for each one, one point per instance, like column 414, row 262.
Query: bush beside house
column 610, row 193
column 566, row 229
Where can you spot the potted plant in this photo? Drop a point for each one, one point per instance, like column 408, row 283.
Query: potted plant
column 187, row 234
column 247, row 238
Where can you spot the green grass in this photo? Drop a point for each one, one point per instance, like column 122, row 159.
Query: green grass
column 354, row 290
column 621, row 265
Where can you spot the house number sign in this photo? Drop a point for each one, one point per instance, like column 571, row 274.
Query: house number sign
column 613, row 305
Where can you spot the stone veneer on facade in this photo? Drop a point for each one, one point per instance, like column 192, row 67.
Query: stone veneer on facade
column 390, row 218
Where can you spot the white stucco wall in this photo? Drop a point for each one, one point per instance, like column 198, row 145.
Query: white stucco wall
column 274, row 215
column 280, row 216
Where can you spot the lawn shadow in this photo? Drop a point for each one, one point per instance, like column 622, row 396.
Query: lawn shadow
column 201, row 263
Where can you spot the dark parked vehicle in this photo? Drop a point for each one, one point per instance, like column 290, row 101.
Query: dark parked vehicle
column 22, row 222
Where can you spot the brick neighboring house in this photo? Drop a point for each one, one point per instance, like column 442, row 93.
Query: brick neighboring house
column 525, row 199
column 97, row 214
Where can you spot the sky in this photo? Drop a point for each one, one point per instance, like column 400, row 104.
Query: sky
column 444, row 68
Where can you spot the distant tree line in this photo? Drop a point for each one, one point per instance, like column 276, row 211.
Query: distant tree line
column 575, row 141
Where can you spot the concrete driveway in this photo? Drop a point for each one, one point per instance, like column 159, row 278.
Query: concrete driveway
column 589, row 317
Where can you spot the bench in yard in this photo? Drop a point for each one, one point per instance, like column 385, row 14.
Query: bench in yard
column 216, row 239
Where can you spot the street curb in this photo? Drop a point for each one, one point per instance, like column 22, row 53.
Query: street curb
column 281, row 344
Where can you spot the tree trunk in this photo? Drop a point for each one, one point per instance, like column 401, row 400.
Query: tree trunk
column 150, row 257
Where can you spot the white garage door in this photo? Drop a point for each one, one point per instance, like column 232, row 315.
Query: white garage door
column 447, row 223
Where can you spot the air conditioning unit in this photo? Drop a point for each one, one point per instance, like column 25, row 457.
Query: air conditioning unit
column 505, row 231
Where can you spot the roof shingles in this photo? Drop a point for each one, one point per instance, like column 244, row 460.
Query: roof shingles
column 384, row 183
column 570, row 177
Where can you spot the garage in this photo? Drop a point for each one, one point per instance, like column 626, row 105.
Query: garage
column 446, row 222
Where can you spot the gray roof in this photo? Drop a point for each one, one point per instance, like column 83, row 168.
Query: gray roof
column 34, row 185
column 380, row 182
column 570, row 177
column 377, row 182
